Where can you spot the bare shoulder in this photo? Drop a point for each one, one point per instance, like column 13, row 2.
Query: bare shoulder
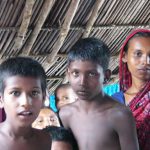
column 67, row 112
column 120, row 113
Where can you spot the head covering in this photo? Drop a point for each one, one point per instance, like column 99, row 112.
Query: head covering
column 140, row 104
column 124, row 74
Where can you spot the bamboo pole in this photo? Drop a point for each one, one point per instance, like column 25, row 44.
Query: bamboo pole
column 43, row 15
column 93, row 17
column 63, row 32
column 24, row 25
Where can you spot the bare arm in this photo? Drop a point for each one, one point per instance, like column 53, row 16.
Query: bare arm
column 125, row 127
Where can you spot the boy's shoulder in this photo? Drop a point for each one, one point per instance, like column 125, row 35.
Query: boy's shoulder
column 67, row 111
column 120, row 112
column 116, row 109
column 71, row 107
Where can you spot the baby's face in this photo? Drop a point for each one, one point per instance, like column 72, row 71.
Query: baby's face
column 65, row 96
column 46, row 118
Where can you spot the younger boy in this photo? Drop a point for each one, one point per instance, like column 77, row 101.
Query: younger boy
column 62, row 139
column 22, row 93
column 96, row 120
column 46, row 118
column 64, row 95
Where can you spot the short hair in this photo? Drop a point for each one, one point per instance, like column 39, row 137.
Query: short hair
column 61, row 86
column 22, row 66
column 138, row 34
column 91, row 49
column 61, row 134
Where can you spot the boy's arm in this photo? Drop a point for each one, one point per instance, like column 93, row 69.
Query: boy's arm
column 125, row 127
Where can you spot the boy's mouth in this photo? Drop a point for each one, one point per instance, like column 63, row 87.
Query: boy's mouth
column 25, row 113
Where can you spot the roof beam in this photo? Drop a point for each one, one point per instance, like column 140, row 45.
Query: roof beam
column 113, row 26
column 63, row 32
column 24, row 25
column 93, row 17
column 43, row 15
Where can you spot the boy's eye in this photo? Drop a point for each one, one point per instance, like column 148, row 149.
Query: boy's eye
column 39, row 121
column 92, row 74
column 15, row 93
column 75, row 73
column 35, row 93
column 65, row 98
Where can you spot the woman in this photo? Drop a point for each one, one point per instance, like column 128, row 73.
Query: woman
column 134, row 73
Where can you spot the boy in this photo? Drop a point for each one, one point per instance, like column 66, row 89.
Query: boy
column 96, row 120
column 62, row 139
column 64, row 95
column 22, row 93
column 46, row 118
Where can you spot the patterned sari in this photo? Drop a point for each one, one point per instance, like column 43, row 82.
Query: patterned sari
column 140, row 104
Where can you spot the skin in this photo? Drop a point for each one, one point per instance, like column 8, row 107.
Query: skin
column 61, row 145
column 22, row 100
column 94, row 118
column 65, row 96
column 138, row 61
column 45, row 118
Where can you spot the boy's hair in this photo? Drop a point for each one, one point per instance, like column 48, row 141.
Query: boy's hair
column 138, row 34
column 91, row 49
column 22, row 66
column 64, row 86
column 61, row 134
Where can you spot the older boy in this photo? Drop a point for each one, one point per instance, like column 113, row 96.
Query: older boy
column 22, row 92
column 96, row 120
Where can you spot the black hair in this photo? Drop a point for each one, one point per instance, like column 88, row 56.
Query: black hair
column 91, row 49
column 22, row 66
column 64, row 86
column 61, row 134
column 138, row 34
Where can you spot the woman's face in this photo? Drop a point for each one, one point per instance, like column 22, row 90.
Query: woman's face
column 138, row 58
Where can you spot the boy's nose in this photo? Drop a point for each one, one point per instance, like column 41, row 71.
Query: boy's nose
column 83, row 80
column 25, row 100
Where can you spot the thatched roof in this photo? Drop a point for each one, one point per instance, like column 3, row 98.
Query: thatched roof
column 46, row 29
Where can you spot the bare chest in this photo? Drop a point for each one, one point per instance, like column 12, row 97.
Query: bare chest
column 93, row 132
column 9, row 144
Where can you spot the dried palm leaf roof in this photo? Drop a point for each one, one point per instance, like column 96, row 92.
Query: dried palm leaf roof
column 46, row 29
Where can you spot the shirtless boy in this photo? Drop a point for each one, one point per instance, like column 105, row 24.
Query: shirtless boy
column 97, row 121
column 22, row 93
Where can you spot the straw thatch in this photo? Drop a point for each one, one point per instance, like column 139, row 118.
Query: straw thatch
column 46, row 29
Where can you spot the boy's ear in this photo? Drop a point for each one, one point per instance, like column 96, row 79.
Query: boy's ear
column 67, row 73
column 1, row 101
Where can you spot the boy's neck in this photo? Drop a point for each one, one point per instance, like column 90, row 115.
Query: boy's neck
column 90, row 105
column 19, row 133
